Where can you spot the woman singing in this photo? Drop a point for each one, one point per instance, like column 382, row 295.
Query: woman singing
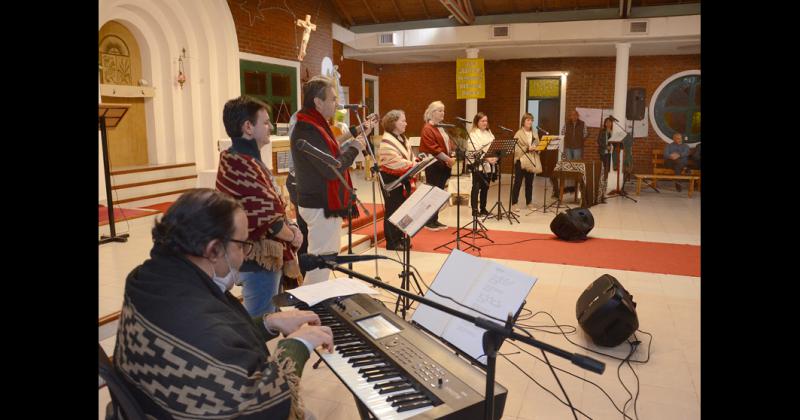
column 483, row 171
column 526, row 161
column 394, row 156
column 603, row 148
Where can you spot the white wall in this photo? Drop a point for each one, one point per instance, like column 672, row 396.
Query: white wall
column 183, row 125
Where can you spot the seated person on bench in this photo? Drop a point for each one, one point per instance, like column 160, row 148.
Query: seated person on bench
column 676, row 156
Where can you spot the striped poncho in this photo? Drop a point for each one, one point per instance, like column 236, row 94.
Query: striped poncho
column 249, row 181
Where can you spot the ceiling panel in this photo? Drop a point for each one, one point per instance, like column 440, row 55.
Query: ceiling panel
column 385, row 11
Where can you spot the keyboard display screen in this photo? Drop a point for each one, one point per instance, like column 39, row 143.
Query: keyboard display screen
column 377, row 326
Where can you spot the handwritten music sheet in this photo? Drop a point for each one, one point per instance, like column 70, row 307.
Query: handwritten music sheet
column 480, row 284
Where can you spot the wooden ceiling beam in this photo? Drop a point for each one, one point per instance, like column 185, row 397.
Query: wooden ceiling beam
column 468, row 8
column 425, row 8
column 342, row 12
column 397, row 9
column 481, row 7
column 456, row 9
column 370, row 11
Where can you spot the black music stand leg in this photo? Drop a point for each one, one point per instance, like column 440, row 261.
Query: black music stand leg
column 476, row 229
column 403, row 304
column 501, row 210
column 620, row 191
column 109, row 204
column 491, row 343
column 545, row 207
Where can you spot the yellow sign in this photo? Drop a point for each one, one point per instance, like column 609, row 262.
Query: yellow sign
column 470, row 78
column 543, row 88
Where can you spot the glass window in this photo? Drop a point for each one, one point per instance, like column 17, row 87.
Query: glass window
column 677, row 108
column 255, row 83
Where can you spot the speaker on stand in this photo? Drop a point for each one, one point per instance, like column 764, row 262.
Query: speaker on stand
column 634, row 109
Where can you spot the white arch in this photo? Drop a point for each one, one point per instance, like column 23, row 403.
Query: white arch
column 183, row 125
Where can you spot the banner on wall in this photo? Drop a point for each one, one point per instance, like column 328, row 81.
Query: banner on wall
column 470, row 78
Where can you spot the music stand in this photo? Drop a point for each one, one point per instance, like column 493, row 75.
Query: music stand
column 409, row 218
column 460, row 157
column 545, row 143
column 500, row 148
column 109, row 116
column 619, row 147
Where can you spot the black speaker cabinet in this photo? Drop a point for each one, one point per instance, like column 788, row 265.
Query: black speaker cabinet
column 607, row 312
column 573, row 224
column 635, row 106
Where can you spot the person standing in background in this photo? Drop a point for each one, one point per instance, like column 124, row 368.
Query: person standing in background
column 435, row 141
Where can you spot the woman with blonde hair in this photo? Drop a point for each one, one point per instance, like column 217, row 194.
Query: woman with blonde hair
column 435, row 141
column 526, row 161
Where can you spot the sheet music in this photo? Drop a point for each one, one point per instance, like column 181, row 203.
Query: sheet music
column 341, row 286
column 555, row 141
column 617, row 136
column 487, row 286
column 418, row 208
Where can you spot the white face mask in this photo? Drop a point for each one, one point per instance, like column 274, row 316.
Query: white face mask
column 227, row 282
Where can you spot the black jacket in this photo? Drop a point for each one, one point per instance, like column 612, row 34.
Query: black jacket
column 312, row 174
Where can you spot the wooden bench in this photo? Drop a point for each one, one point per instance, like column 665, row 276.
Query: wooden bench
column 660, row 169
column 661, row 172
column 652, row 179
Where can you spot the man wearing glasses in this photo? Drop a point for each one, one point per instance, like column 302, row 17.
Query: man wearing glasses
column 273, row 239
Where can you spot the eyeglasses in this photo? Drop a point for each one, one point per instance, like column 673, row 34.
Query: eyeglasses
column 247, row 246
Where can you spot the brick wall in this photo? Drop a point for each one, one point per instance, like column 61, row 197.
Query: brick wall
column 277, row 35
column 590, row 84
column 411, row 87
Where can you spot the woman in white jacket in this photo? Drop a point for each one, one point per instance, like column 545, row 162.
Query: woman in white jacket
column 526, row 161
column 483, row 171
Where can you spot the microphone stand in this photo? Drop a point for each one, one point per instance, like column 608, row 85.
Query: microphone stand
column 460, row 154
column 351, row 196
column 492, row 339
column 375, row 171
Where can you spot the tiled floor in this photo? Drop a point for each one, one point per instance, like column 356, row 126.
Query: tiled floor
column 668, row 307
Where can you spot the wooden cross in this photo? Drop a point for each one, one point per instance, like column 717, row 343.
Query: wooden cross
column 307, row 28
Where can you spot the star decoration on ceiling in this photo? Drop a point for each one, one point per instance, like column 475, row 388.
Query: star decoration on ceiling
column 253, row 12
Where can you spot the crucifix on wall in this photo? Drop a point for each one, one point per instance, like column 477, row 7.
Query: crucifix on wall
column 307, row 28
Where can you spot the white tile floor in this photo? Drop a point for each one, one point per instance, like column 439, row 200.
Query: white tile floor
column 668, row 306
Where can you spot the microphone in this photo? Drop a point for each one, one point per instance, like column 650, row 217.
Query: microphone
column 507, row 129
column 612, row 117
column 542, row 129
column 306, row 147
column 444, row 125
column 464, row 120
column 311, row 262
column 349, row 106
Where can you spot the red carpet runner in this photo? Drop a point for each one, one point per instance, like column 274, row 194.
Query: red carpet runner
column 120, row 214
column 649, row 257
